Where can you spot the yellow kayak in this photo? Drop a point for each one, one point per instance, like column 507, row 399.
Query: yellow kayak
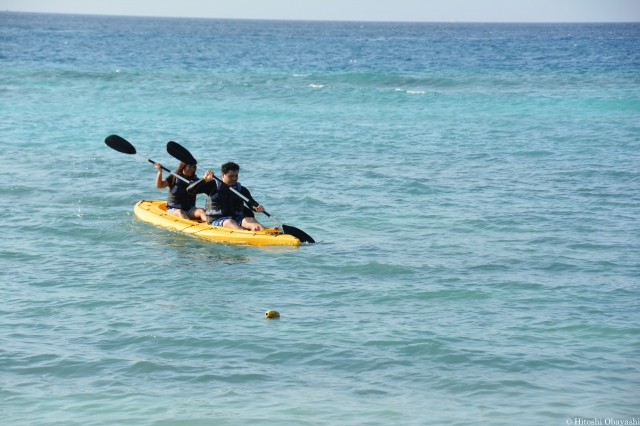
column 155, row 212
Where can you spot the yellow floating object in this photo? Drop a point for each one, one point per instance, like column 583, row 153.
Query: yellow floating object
column 155, row 212
column 272, row 314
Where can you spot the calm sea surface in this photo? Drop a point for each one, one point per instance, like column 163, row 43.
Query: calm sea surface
column 474, row 190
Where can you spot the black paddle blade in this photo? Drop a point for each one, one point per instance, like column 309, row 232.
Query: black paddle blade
column 298, row 233
column 181, row 153
column 119, row 144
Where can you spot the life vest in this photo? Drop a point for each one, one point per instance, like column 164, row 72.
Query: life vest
column 224, row 202
column 178, row 197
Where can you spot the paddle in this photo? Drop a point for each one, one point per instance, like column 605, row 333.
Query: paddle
column 123, row 146
column 181, row 153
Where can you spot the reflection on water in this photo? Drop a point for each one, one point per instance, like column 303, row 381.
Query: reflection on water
column 194, row 250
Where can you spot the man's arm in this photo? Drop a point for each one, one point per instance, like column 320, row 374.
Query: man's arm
column 252, row 203
column 202, row 186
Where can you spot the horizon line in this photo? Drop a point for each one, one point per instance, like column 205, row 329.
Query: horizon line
column 319, row 20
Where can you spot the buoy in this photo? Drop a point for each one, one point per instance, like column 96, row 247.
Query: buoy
column 272, row 314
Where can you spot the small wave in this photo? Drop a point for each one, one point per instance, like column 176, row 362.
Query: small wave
column 416, row 92
column 539, row 153
column 316, row 86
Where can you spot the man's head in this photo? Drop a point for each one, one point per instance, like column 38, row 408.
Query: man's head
column 230, row 173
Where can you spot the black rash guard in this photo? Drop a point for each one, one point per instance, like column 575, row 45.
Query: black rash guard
column 211, row 188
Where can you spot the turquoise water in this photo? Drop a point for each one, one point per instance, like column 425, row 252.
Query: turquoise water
column 473, row 189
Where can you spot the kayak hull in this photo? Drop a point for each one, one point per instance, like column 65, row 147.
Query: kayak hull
column 155, row 213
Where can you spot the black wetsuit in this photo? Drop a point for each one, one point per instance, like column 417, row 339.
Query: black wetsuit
column 221, row 202
column 178, row 197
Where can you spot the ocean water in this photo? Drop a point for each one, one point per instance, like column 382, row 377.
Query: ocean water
column 474, row 191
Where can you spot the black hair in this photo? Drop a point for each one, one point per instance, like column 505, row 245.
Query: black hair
column 172, row 179
column 227, row 167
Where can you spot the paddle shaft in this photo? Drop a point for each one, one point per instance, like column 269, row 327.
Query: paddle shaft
column 164, row 168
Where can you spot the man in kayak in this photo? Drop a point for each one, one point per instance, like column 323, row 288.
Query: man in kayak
column 179, row 202
column 224, row 208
